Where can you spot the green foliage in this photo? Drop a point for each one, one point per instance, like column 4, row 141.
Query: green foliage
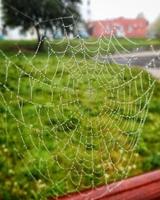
column 152, row 162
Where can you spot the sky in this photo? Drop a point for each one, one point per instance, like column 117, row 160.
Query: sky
column 104, row 9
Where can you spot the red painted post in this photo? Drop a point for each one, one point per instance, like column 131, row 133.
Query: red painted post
column 143, row 187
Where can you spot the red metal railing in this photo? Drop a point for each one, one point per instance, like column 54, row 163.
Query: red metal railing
column 143, row 187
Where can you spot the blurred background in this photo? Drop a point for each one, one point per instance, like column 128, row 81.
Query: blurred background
column 131, row 19
column 79, row 94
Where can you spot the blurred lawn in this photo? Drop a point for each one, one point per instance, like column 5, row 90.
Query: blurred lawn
column 42, row 106
column 90, row 45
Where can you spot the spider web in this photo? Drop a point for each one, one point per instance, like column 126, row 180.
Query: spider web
column 77, row 117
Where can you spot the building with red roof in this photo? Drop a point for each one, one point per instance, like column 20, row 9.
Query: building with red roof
column 132, row 28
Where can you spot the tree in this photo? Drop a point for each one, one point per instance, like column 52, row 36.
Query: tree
column 141, row 15
column 154, row 28
column 39, row 14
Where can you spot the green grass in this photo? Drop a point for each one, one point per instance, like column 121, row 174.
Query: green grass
column 70, row 108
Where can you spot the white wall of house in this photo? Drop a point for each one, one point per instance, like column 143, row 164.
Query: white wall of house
column 15, row 34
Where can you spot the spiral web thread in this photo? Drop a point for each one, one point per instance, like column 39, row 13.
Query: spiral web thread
column 78, row 119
